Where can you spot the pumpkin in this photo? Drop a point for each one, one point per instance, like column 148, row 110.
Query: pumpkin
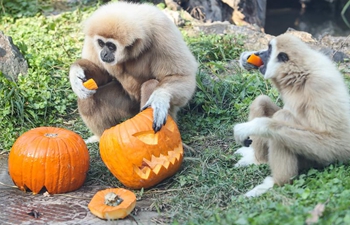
column 112, row 203
column 90, row 84
column 139, row 157
column 48, row 157
column 255, row 60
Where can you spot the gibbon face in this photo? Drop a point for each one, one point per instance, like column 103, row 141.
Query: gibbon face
column 115, row 37
column 107, row 49
column 277, row 58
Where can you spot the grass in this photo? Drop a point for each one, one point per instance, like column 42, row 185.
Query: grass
column 208, row 188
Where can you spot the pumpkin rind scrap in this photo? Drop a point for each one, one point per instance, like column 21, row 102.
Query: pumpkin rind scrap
column 98, row 207
column 50, row 157
column 139, row 157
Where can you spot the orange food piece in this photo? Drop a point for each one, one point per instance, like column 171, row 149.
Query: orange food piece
column 90, row 84
column 255, row 60
column 100, row 207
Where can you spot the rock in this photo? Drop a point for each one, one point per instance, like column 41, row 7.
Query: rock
column 337, row 48
column 12, row 62
column 180, row 18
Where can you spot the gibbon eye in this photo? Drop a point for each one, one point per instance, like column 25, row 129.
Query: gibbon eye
column 111, row 46
column 100, row 43
column 282, row 57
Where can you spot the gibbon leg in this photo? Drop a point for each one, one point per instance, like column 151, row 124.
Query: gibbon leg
column 262, row 106
column 282, row 161
column 106, row 106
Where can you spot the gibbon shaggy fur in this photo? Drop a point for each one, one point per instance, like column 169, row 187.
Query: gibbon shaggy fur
column 313, row 127
column 139, row 59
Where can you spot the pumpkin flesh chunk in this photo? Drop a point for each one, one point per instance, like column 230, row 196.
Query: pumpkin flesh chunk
column 98, row 207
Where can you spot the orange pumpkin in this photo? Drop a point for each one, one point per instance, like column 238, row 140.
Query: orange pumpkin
column 112, row 203
column 48, row 157
column 139, row 157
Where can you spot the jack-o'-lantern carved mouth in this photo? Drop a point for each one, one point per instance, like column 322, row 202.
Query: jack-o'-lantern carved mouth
column 159, row 164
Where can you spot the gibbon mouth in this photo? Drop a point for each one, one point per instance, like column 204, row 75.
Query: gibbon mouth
column 262, row 69
column 264, row 56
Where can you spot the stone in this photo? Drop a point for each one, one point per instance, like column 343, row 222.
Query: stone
column 12, row 62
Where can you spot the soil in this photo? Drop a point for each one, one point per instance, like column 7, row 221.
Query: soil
column 18, row 207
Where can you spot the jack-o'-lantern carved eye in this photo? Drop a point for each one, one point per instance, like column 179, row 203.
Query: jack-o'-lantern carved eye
column 148, row 137
column 137, row 156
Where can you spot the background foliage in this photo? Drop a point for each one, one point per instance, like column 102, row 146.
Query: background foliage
column 208, row 188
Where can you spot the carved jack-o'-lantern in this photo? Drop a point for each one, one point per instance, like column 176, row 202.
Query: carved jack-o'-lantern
column 139, row 157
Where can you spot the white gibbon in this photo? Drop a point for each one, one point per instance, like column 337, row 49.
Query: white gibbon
column 139, row 59
column 313, row 127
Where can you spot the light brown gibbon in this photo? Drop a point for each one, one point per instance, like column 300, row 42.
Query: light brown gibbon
column 313, row 127
column 139, row 59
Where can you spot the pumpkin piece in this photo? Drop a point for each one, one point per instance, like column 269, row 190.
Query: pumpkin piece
column 90, row 84
column 112, row 203
column 255, row 60
column 48, row 157
column 138, row 157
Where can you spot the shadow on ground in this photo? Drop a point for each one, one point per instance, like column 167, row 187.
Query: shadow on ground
column 17, row 207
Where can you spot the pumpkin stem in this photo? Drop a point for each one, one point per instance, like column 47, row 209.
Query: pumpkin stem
column 51, row 135
column 112, row 199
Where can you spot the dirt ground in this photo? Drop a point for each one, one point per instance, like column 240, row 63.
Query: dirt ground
column 17, row 207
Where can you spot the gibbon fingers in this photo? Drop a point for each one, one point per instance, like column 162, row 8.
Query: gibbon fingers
column 313, row 127
column 139, row 59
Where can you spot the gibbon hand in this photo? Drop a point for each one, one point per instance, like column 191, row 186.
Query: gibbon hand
column 160, row 103
column 77, row 78
column 243, row 131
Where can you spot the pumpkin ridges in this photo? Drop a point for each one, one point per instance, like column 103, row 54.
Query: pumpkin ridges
column 32, row 180
column 47, row 153
column 62, row 172
column 83, row 168
column 15, row 169
column 72, row 147
column 50, row 178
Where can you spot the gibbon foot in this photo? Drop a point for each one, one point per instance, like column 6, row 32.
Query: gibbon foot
column 248, row 157
column 92, row 139
column 261, row 188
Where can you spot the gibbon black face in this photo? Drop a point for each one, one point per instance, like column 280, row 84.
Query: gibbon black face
column 108, row 50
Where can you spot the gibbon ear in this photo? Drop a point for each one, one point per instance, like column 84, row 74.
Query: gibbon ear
column 282, row 57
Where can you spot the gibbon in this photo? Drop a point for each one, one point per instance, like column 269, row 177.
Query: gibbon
column 313, row 127
column 139, row 59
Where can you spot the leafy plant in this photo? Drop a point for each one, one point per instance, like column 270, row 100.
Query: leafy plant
column 43, row 96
